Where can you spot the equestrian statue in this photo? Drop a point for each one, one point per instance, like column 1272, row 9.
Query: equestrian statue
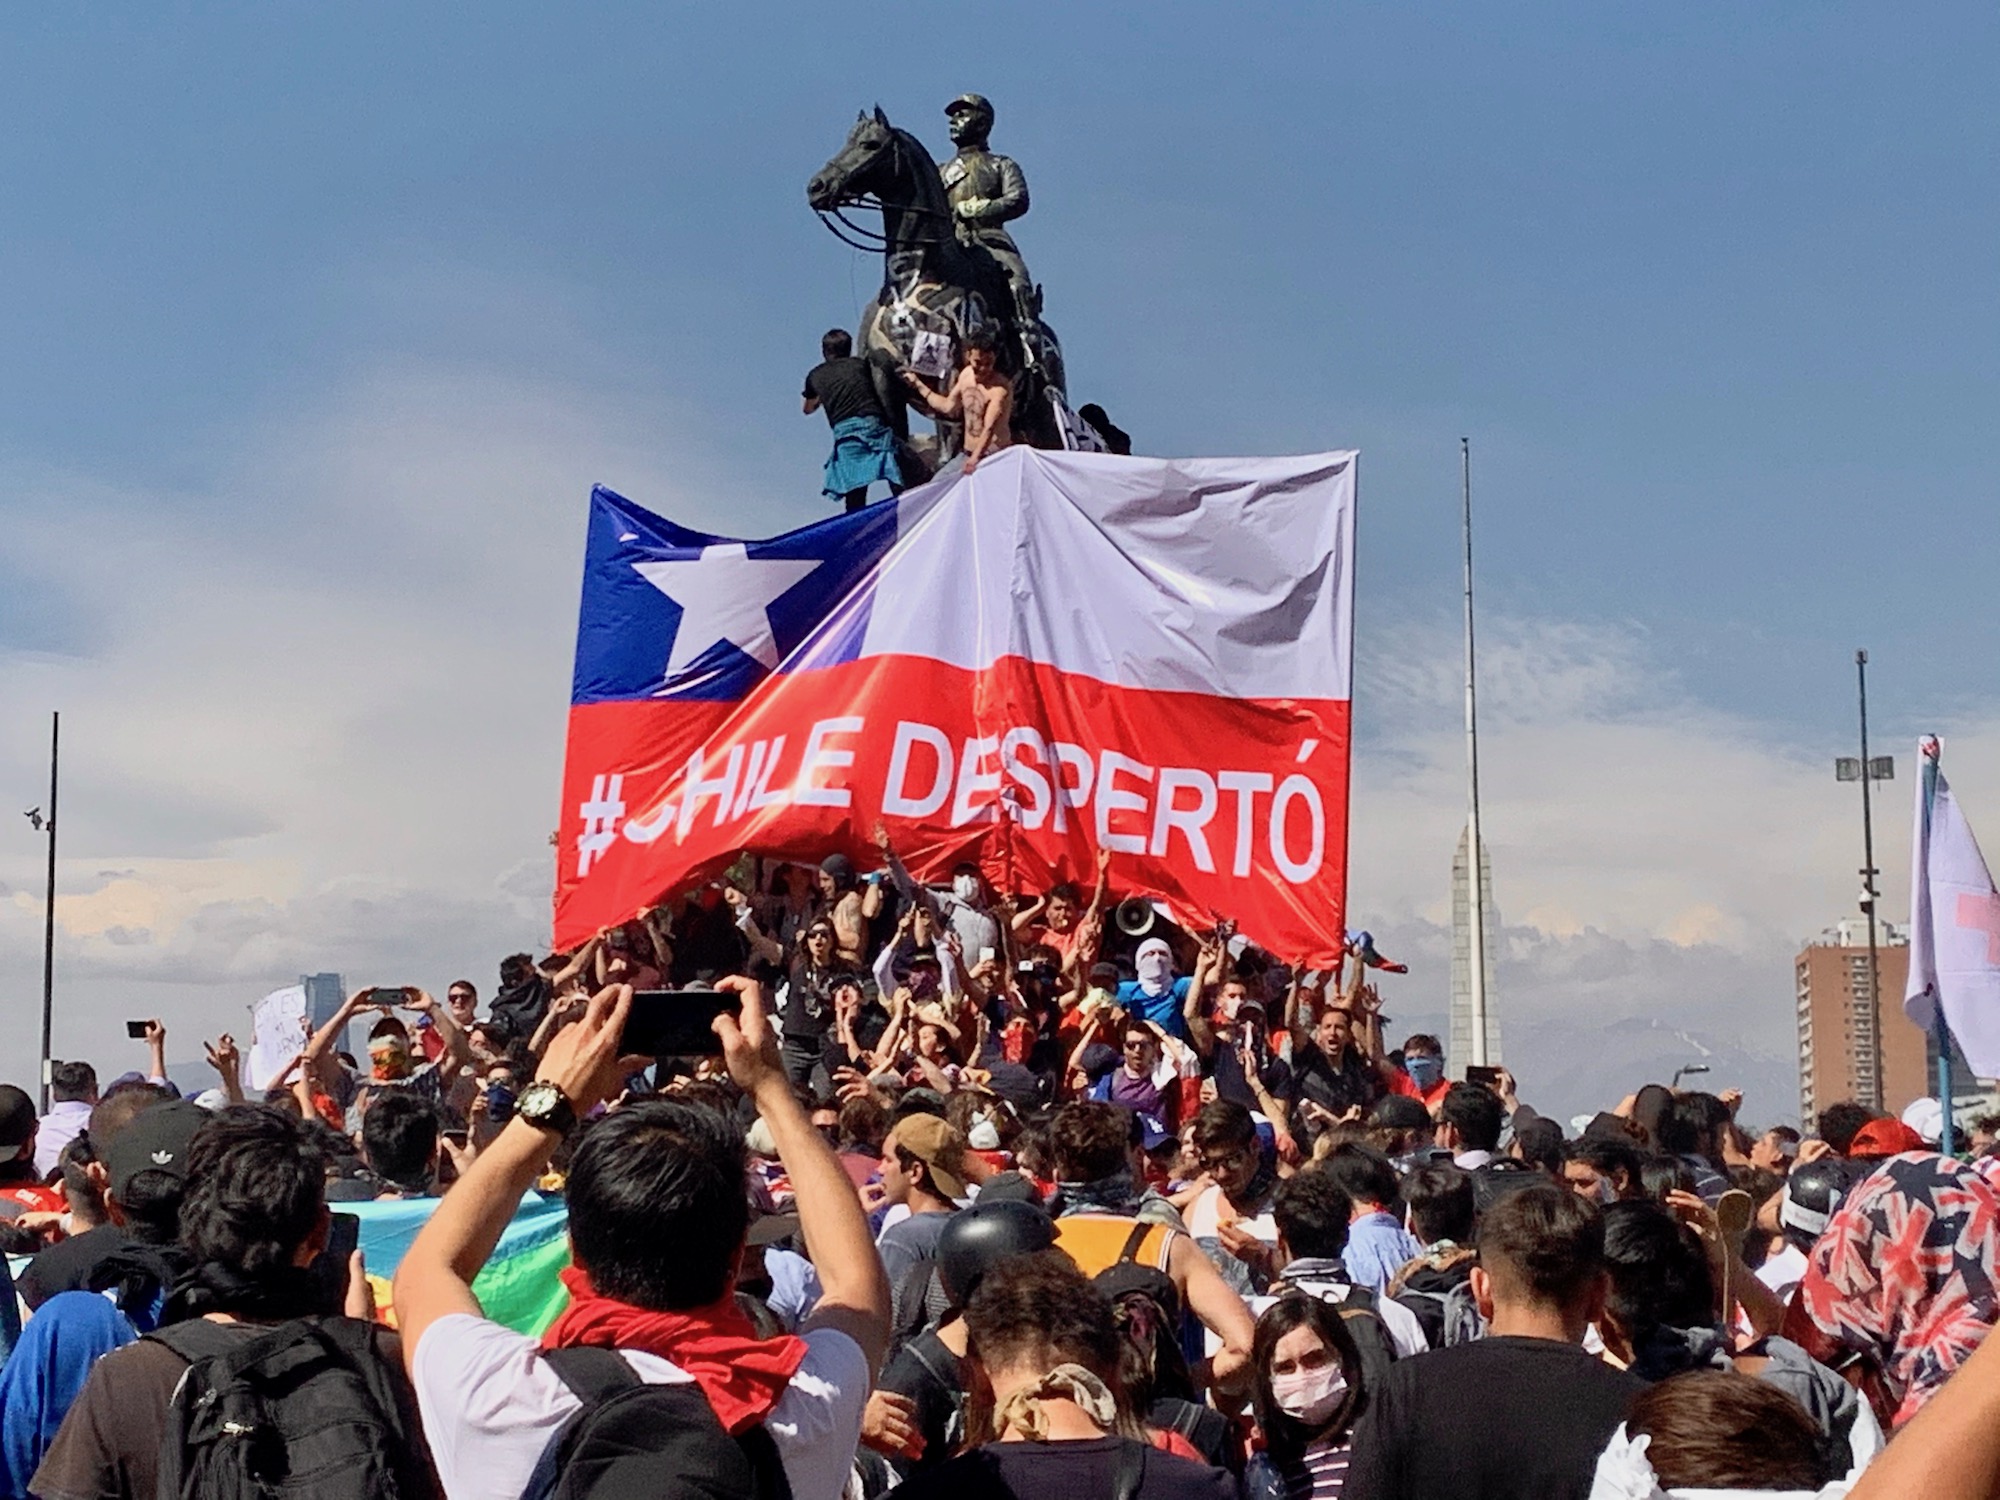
column 949, row 269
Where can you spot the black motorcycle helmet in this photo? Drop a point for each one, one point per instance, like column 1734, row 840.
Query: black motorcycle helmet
column 1813, row 1192
column 978, row 1238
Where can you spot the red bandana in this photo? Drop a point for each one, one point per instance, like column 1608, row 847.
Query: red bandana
column 742, row 1375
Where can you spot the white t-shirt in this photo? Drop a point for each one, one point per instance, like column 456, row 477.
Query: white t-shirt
column 1402, row 1325
column 490, row 1405
column 1204, row 1218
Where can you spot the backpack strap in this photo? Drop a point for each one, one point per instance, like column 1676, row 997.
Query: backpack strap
column 1140, row 1229
column 1131, row 1472
column 916, row 1350
column 592, row 1375
column 198, row 1339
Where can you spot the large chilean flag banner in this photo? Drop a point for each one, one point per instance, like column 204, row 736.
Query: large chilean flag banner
column 1057, row 653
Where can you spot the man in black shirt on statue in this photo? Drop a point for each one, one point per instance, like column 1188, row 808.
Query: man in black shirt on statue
column 1523, row 1412
column 864, row 445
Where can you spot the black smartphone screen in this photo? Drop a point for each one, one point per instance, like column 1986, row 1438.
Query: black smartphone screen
column 136, row 1030
column 676, row 1023
column 1487, row 1077
column 329, row 1269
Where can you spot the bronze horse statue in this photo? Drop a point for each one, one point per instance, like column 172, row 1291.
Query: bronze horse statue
column 934, row 287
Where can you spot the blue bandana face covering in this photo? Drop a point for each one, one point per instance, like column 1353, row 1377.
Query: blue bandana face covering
column 1424, row 1070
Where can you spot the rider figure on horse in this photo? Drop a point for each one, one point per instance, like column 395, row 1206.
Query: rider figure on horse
column 986, row 190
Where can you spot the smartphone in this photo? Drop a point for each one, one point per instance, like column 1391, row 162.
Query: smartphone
column 391, row 997
column 987, row 955
column 343, row 1238
column 1485, row 1077
column 676, row 1023
column 137, row 1030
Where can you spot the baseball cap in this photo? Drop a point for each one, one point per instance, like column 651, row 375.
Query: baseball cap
column 1926, row 1117
column 156, row 1140
column 1153, row 1132
column 938, row 1145
column 17, row 1117
column 1884, row 1138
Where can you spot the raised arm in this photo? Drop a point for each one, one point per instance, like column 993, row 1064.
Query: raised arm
column 228, row 1064
column 435, row 1277
column 761, row 947
column 947, row 405
column 1194, row 1010
column 854, row 1292
column 457, row 1055
column 1103, row 887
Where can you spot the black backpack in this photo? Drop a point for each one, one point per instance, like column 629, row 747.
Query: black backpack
column 1360, row 1310
column 305, row 1408
column 659, row 1442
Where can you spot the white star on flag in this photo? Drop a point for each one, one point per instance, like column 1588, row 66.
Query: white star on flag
column 725, row 594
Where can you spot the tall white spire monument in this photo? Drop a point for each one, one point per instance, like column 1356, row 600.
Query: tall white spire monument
column 1459, row 1049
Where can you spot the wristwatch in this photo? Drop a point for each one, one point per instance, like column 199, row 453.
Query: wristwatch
column 543, row 1106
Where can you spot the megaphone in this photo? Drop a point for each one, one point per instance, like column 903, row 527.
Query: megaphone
column 1135, row 916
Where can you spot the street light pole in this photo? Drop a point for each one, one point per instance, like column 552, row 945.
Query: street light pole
column 49, row 912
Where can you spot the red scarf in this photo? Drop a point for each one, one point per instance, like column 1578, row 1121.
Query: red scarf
column 742, row 1375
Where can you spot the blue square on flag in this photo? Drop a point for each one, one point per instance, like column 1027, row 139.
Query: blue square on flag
column 673, row 613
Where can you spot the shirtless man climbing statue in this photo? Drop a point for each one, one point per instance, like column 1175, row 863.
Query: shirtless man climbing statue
column 980, row 394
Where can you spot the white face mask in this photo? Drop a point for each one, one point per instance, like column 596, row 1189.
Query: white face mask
column 984, row 1134
column 1154, row 968
column 1310, row 1396
column 966, row 888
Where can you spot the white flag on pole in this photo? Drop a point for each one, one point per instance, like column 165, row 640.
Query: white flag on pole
column 1954, row 933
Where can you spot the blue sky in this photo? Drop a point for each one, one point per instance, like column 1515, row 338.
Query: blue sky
column 1712, row 289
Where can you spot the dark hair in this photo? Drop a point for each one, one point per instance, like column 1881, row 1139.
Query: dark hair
column 1066, row 891
column 1840, row 1123
column 400, row 1132
column 1543, row 1243
column 1441, row 1204
column 1660, row 1175
column 1688, row 1126
column 1422, row 1041
column 657, row 1208
column 982, row 339
column 256, row 1187
column 86, row 1198
column 1649, row 1106
column 836, row 343
column 1364, row 1174
column 72, row 1081
column 1716, row 1429
column 863, row 1122
column 1659, row 1272
column 1090, row 1139
column 1039, row 1309
column 1539, row 1142
column 1312, row 1213
column 1223, row 1123
column 1790, row 1136
column 1284, row 1435
column 1476, row 1112
column 1606, row 1157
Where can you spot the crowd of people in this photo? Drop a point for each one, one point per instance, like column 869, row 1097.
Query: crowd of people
column 972, row 1195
